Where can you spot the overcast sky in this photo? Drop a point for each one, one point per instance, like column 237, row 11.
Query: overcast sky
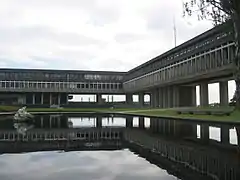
column 90, row 34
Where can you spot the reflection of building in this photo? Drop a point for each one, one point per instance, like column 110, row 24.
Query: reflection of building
column 60, row 139
column 166, row 143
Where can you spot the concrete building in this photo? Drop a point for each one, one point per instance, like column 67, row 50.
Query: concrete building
column 170, row 79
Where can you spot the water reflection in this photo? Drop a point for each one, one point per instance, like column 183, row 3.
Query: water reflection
column 177, row 145
column 86, row 165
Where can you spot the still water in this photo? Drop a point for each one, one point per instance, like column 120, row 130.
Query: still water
column 111, row 147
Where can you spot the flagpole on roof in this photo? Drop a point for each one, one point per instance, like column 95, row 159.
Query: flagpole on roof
column 175, row 32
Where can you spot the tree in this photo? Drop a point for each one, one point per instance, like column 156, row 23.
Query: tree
column 220, row 11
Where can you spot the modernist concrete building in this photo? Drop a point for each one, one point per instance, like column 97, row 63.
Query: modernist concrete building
column 170, row 79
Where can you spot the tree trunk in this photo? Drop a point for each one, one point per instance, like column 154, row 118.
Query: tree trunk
column 236, row 24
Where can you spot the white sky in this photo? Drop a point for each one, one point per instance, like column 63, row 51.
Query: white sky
column 91, row 34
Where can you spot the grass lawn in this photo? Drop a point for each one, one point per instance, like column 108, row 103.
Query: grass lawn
column 234, row 117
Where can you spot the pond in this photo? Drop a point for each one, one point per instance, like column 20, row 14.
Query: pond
column 114, row 147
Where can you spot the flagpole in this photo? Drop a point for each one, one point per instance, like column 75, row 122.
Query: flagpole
column 175, row 32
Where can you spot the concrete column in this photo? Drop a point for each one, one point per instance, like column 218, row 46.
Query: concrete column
column 41, row 122
column 223, row 91
column 194, row 96
column 160, row 97
column 66, row 98
column 204, row 101
column 141, row 123
column 175, row 96
column 164, row 97
column 141, row 99
column 50, row 122
column 41, row 98
column 59, row 99
column 225, row 134
column 204, row 132
column 169, row 97
column 34, row 97
column 50, row 98
column 99, row 122
column 154, row 98
column 99, row 98
column 129, row 121
column 187, row 96
column 129, row 98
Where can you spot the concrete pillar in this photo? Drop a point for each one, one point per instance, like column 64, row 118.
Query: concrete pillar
column 141, row 123
column 204, row 101
column 33, row 100
column 164, row 97
column 141, row 99
column 50, row 98
column 204, row 132
column 50, row 121
column 59, row 99
column 223, row 91
column 59, row 121
column 99, row 122
column 194, row 96
column 160, row 97
column 129, row 98
column 225, row 134
column 41, row 122
column 187, row 96
column 169, row 97
column 154, row 98
column 175, row 96
column 129, row 121
column 99, row 98
column 41, row 98
column 66, row 98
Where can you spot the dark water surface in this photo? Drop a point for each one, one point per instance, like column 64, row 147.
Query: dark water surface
column 111, row 147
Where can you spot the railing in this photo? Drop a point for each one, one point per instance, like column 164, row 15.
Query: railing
column 216, row 58
column 208, row 40
column 212, row 162
column 58, row 86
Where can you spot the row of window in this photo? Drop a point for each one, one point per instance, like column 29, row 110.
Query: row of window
column 53, row 136
column 206, row 61
column 55, row 76
column 58, row 85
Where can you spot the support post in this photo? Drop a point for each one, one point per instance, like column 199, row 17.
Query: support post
column 129, row 121
column 129, row 98
column 99, row 122
column 42, row 98
column 34, row 97
column 225, row 134
column 141, row 99
column 141, row 123
column 223, row 91
column 204, row 101
column 204, row 132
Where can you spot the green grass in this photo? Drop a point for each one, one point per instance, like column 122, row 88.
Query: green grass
column 234, row 117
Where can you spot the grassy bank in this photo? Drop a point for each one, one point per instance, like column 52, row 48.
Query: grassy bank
column 233, row 117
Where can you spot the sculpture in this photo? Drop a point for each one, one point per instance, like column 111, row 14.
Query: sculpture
column 22, row 115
